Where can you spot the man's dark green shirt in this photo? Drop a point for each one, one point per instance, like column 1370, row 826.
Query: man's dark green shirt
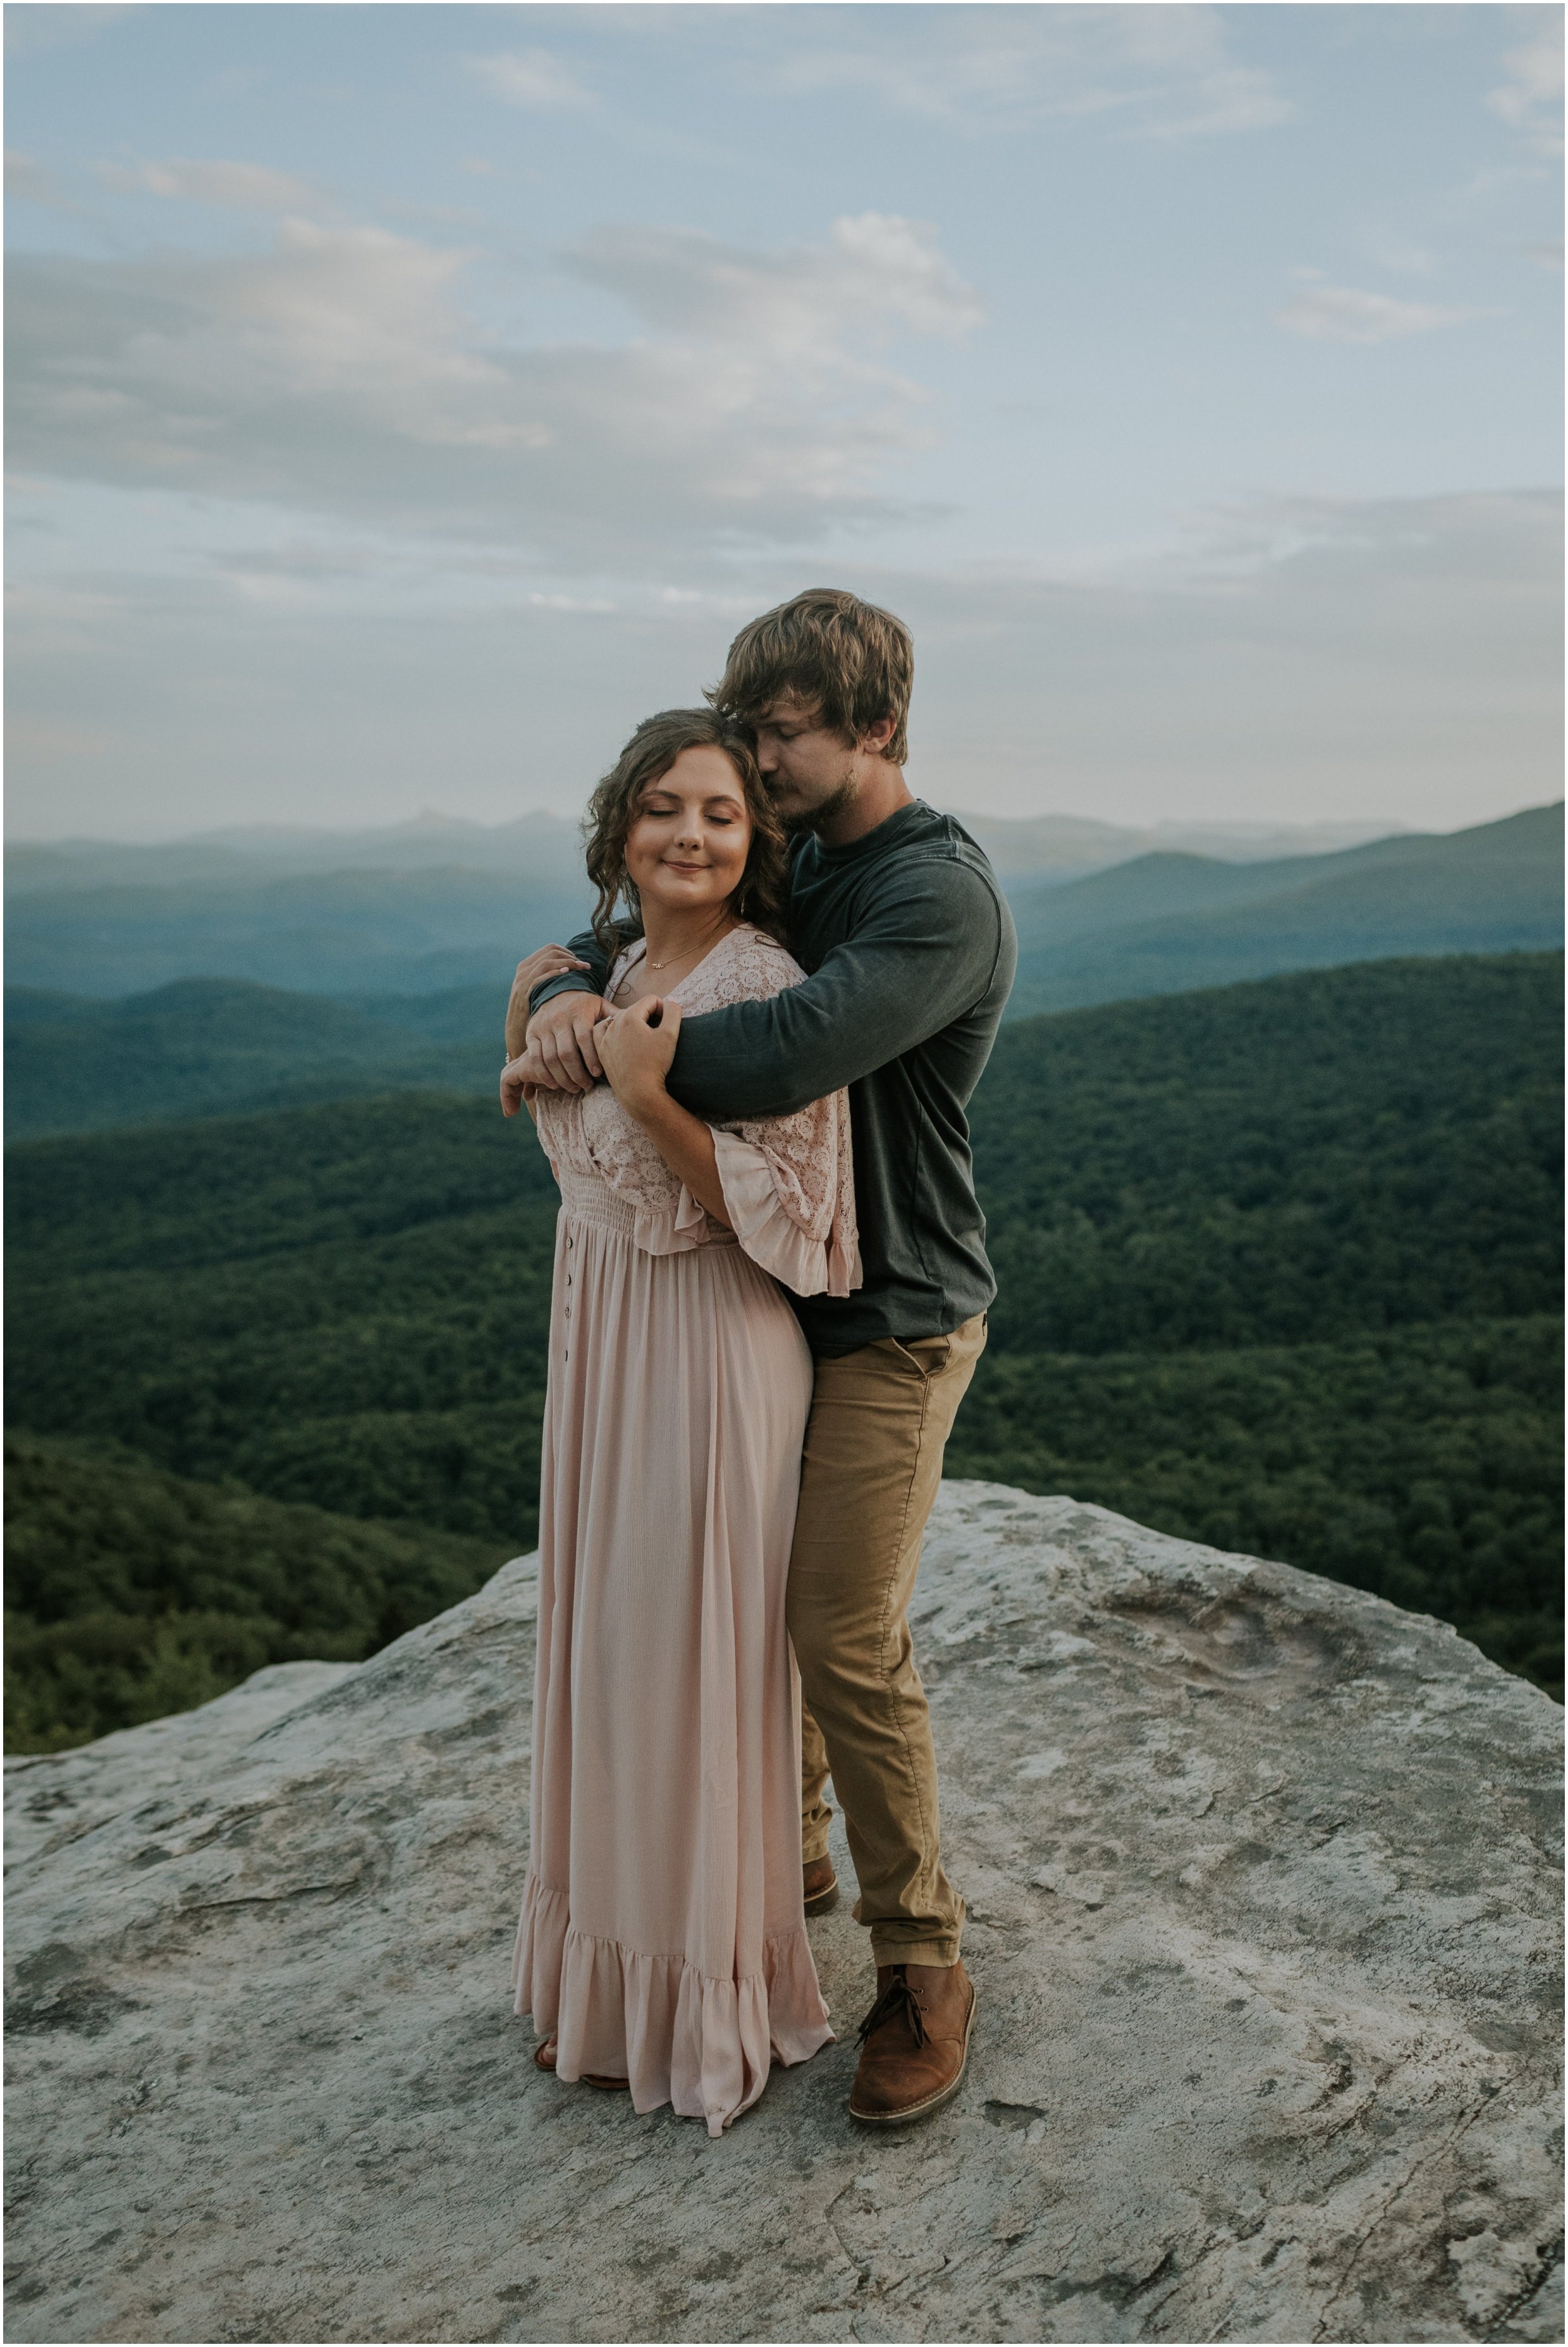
column 909, row 951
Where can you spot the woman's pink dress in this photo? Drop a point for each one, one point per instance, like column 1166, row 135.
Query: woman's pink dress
column 662, row 1938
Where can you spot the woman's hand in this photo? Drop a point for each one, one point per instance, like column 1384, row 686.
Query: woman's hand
column 547, row 962
column 635, row 1053
column 516, row 1090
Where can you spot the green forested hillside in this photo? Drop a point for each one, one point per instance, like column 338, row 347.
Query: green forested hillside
column 206, row 1047
column 1337, row 1151
column 1279, row 1269
column 345, row 1305
column 130, row 1593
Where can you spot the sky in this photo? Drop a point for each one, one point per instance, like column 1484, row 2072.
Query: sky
column 404, row 400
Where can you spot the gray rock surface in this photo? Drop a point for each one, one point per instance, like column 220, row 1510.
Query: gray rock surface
column 1263, row 1923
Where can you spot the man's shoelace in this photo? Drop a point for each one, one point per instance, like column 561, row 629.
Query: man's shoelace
column 896, row 1998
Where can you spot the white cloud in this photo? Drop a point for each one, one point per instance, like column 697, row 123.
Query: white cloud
column 30, row 28
column 531, row 77
column 47, row 745
column 1313, row 659
column 29, row 178
column 1401, row 256
column 340, row 373
column 1340, row 313
column 1530, row 96
column 1158, row 72
column 876, row 271
column 1317, row 657
column 1485, row 540
column 242, row 187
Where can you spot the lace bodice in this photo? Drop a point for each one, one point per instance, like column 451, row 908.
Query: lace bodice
column 788, row 1181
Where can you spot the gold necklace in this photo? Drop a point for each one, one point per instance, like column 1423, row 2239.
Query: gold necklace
column 649, row 963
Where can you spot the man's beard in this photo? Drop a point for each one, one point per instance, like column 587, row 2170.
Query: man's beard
column 813, row 819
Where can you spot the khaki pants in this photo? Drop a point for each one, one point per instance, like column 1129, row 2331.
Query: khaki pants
column 879, row 1422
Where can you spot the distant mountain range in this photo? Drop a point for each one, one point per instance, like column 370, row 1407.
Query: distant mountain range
column 547, row 850
column 420, row 906
column 350, row 932
column 366, row 954
column 1167, row 924
column 1061, row 847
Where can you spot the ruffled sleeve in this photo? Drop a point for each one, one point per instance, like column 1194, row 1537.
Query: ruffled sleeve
column 788, row 1181
column 789, row 1192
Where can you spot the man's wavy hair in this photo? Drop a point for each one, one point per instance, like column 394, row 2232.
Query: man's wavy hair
column 647, row 759
column 828, row 651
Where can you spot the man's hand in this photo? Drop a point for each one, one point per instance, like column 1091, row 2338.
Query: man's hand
column 560, row 1054
column 635, row 1051
column 547, row 962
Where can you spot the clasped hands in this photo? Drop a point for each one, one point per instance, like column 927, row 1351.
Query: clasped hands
column 577, row 1038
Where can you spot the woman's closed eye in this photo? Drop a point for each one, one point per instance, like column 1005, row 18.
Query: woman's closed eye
column 723, row 813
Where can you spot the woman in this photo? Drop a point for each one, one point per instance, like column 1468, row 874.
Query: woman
column 662, row 1943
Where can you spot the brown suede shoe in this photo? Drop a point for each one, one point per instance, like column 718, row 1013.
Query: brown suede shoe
column 820, row 1884
column 914, row 2044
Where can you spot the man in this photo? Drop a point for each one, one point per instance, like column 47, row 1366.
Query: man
column 896, row 918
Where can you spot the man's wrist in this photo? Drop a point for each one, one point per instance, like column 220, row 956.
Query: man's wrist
column 596, row 1004
column 567, row 981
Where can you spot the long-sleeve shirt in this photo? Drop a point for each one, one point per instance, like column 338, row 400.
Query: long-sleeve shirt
column 910, row 950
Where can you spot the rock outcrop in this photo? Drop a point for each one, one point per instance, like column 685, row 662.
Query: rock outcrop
column 1263, row 1922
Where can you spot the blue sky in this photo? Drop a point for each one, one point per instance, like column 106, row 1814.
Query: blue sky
column 403, row 400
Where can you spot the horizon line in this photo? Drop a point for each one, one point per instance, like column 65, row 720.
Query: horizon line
column 229, row 834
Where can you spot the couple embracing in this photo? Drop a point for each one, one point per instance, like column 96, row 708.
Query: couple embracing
column 770, row 1295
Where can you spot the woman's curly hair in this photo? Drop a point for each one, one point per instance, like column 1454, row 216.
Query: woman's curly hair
column 612, row 810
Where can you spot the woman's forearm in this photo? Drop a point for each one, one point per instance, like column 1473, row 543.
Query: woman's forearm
column 686, row 1145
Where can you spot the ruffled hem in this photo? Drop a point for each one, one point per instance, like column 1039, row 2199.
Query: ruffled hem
column 678, row 2036
column 670, row 1230
column 770, row 1235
